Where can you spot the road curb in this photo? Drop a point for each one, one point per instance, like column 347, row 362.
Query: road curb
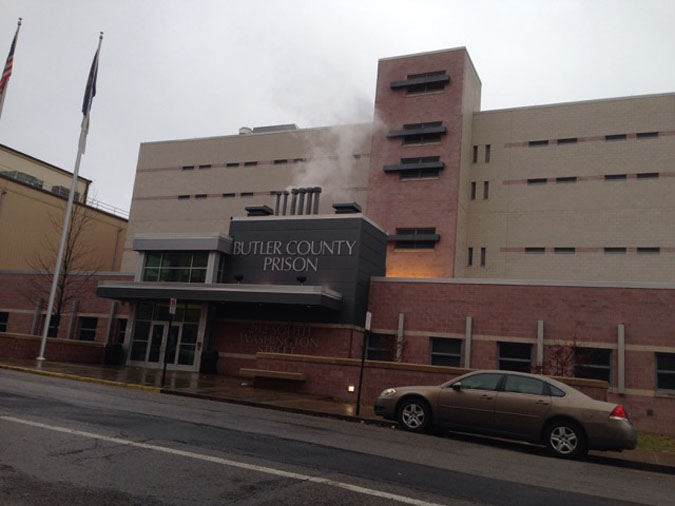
column 84, row 379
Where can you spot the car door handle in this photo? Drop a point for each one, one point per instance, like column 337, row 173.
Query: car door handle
column 487, row 397
column 543, row 403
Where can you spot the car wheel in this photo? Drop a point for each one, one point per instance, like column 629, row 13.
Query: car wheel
column 566, row 440
column 414, row 415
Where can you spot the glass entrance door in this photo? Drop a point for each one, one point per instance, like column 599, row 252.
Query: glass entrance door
column 156, row 339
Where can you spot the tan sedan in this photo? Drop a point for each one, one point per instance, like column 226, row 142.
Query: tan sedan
column 513, row 405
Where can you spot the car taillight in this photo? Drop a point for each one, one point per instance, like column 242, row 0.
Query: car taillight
column 618, row 413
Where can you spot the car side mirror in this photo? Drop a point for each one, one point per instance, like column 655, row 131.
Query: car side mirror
column 457, row 386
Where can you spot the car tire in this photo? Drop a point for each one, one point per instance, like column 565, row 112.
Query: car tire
column 566, row 439
column 414, row 415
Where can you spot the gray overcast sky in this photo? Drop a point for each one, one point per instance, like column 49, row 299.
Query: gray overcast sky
column 174, row 69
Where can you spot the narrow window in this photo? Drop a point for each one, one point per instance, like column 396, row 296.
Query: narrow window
column 120, row 330
column 487, row 153
column 246, row 194
column 615, row 137
column 469, row 260
column 665, row 371
column 615, row 177
column 473, row 190
column 568, row 140
column 474, row 159
column 300, row 160
column 566, row 179
column 188, row 167
column 200, row 196
column 232, row 164
column 564, row 250
column 515, row 357
column 205, row 166
column 615, row 250
column 534, row 144
column 356, row 157
column 4, row 317
column 380, row 347
column 87, row 330
column 483, row 255
column 446, row 352
column 647, row 175
column 486, row 189
column 593, row 363
column 646, row 135
column 536, row 250
column 537, row 180
column 416, row 238
column 280, row 162
column 228, row 195
column 250, row 164
column 183, row 197
column 648, row 251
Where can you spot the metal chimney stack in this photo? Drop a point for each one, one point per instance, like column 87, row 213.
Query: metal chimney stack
column 285, row 205
column 310, row 194
column 317, row 193
column 294, row 200
column 301, row 200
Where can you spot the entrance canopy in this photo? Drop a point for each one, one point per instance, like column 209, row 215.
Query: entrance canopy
column 300, row 295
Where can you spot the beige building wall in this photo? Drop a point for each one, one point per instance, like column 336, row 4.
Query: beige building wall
column 50, row 175
column 529, row 206
column 196, row 185
column 28, row 231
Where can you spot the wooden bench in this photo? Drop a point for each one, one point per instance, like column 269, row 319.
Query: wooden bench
column 271, row 375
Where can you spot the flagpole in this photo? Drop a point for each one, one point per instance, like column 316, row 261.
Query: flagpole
column 4, row 91
column 69, row 206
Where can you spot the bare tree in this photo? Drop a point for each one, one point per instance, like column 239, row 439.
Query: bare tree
column 79, row 264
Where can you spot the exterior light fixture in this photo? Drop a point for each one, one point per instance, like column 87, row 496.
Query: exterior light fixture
column 301, row 279
column 350, row 388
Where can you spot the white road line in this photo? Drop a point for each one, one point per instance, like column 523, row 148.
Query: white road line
column 227, row 462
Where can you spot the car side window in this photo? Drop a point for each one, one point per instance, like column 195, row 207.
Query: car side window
column 555, row 392
column 481, row 382
column 524, row 385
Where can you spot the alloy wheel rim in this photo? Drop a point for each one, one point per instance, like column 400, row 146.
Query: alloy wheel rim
column 413, row 416
column 564, row 440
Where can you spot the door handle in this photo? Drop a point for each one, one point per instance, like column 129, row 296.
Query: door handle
column 543, row 403
column 487, row 397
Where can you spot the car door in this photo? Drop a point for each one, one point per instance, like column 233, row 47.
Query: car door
column 521, row 406
column 471, row 405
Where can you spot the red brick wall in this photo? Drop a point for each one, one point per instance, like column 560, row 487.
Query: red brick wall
column 58, row 350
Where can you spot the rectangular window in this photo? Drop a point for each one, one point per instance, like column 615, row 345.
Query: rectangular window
column 246, row 194
column 646, row 135
column 87, row 328
column 229, row 195
column 429, row 86
column 535, row 250
column 4, row 317
column 648, row 251
column 474, row 158
column 120, row 330
column 515, row 357
column 487, row 153
column 176, row 266
column 200, row 196
column 53, row 325
column 537, row 180
column 419, row 167
column 568, row 140
column 205, row 166
column 566, row 179
column 188, row 167
column 280, row 161
column 380, row 347
column 469, row 256
column 473, row 190
column 535, row 144
column 564, row 250
column 183, row 197
column 647, row 175
column 300, row 160
column 615, row 137
column 447, row 352
column 250, row 164
column 483, row 256
column 416, row 238
column 593, row 363
column 615, row 250
column 615, row 177
column 232, row 164
column 486, row 189
column 665, row 371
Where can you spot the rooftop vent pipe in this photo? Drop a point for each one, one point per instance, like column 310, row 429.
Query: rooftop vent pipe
column 301, row 200
column 317, row 193
column 294, row 199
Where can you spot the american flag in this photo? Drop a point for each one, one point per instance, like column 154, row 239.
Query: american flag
column 7, row 71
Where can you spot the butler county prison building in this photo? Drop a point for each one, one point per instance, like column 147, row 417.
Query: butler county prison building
column 536, row 238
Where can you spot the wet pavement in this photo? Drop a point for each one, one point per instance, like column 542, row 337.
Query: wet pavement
column 241, row 391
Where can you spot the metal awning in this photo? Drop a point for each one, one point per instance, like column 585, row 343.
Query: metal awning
column 305, row 295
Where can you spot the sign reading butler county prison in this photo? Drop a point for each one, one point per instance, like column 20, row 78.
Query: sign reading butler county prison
column 294, row 255
column 338, row 252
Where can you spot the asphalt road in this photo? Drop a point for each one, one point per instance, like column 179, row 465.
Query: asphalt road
column 70, row 443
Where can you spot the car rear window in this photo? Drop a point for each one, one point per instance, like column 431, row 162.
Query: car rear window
column 523, row 385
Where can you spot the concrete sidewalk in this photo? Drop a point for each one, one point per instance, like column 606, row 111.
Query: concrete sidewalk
column 240, row 391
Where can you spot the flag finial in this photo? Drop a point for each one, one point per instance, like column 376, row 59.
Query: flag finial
column 100, row 37
column 19, row 23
